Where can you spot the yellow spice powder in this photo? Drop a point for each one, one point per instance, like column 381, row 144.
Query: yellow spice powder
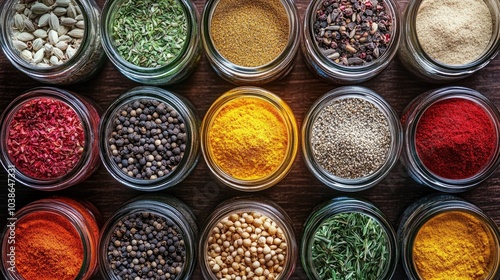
column 248, row 138
column 453, row 245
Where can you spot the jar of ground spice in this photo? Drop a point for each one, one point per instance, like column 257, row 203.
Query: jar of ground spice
column 451, row 138
column 350, row 42
column 249, row 139
column 251, row 42
column 53, row 42
column 347, row 238
column 152, row 42
column 53, row 238
column 351, row 138
column 149, row 237
column 446, row 237
column 247, row 238
column 149, row 138
column 444, row 41
column 49, row 138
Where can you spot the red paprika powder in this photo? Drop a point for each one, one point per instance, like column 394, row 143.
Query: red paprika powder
column 455, row 138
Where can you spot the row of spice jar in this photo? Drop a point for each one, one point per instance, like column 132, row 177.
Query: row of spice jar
column 63, row 42
column 150, row 139
column 250, row 238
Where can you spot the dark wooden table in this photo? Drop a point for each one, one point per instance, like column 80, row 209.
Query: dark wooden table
column 299, row 192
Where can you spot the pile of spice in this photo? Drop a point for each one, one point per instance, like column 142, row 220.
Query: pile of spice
column 455, row 138
column 146, row 246
column 246, row 244
column 354, row 32
column 248, row 138
column 453, row 245
column 454, row 32
column 47, row 32
column 45, row 138
column 147, row 139
column 350, row 246
column 350, row 138
column 250, row 33
column 149, row 34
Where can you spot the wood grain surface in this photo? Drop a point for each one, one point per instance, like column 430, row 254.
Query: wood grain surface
column 299, row 192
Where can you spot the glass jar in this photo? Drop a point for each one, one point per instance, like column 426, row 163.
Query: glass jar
column 83, row 58
column 176, row 169
column 179, row 225
column 341, row 206
column 365, row 180
column 425, row 209
column 35, row 175
column 414, row 163
column 78, row 221
column 241, row 150
column 249, row 211
column 335, row 72
column 416, row 60
column 238, row 74
column 171, row 72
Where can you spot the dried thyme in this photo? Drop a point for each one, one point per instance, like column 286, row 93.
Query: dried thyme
column 149, row 34
column 350, row 246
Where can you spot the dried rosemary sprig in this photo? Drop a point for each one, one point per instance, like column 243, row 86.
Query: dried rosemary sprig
column 350, row 246
column 149, row 33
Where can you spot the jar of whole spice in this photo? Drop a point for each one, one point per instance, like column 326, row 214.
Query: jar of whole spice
column 446, row 237
column 351, row 138
column 149, row 138
column 451, row 138
column 350, row 42
column 55, row 238
column 249, row 139
column 348, row 238
column 149, row 237
column 250, row 237
column 53, row 42
column 444, row 41
column 49, row 138
column 154, row 43
column 250, row 42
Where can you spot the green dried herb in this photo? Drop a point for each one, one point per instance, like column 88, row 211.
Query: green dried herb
column 149, row 33
column 350, row 246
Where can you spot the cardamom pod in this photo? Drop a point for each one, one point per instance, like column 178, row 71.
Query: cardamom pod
column 60, row 11
column 38, row 44
column 48, row 2
column 62, row 30
column 57, row 52
column 38, row 57
column 54, row 60
column 43, row 20
column 65, row 38
column 70, row 52
column 26, row 55
column 62, row 3
column 79, row 17
column 80, row 24
column 62, row 45
column 67, row 21
column 19, row 8
column 19, row 22
column 40, row 33
column 28, row 24
column 53, row 37
column 42, row 65
column 76, row 33
column 19, row 45
column 25, row 36
column 48, row 47
column 39, row 8
column 71, row 11
column 53, row 21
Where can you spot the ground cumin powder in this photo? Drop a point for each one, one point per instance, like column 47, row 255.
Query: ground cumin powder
column 250, row 33
column 453, row 245
column 248, row 138
column 454, row 32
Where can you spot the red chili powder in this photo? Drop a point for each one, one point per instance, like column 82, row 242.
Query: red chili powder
column 45, row 138
column 455, row 138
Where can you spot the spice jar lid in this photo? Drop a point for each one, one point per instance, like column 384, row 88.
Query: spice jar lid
column 158, row 236
column 49, row 138
column 466, row 240
column 256, row 225
column 348, row 236
column 351, row 138
column 451, row 138
column 149, row 138
column 249, row 139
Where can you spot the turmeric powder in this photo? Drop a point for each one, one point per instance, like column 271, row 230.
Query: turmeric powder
column 248, row 138
column 453, row 245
